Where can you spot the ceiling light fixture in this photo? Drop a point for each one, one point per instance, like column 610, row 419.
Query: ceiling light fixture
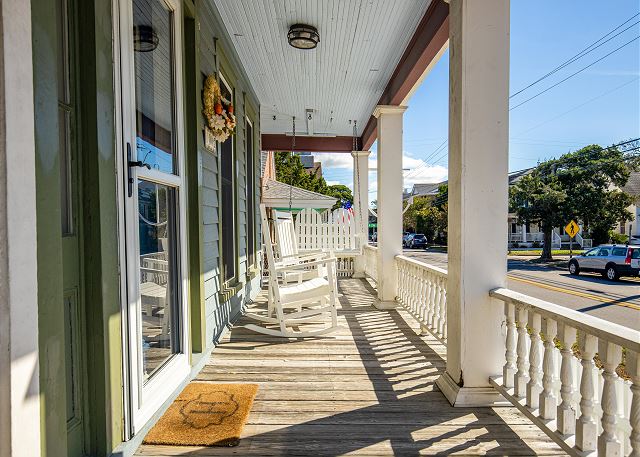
column 303, row 36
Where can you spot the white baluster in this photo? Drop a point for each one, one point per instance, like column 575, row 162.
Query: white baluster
column 548, row 397
column 443, row 282
column 424, row 294
column 522, row 376
column 442, row 327
column 632, row 367
column 567, row 409
column 433, row 310
column 534, row 386
column 608, row 442
column 509, row 369
column 586, row 426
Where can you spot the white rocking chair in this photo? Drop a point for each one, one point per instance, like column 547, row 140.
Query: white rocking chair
column 312, row 298
column 287, row 251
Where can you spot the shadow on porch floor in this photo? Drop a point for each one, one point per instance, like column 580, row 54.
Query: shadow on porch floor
column 368, row 389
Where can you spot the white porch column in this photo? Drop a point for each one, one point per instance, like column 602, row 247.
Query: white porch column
column 389, row 201
column 478, row 167
column 19, row 370
column 361, row 204
column 524, row 233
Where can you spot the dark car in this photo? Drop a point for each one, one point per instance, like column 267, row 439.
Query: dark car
column 417, row 241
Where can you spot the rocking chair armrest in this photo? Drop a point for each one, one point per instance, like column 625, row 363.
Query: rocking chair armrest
column 307, row 255
column 302, row 266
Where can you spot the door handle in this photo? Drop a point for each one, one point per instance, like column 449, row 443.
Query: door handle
column 130, row 165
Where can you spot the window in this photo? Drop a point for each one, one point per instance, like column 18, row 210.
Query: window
column 251, row 210
column 227, row 199
column 65, row 118
column 157, row 218
column 620, row 252
column 603, row 253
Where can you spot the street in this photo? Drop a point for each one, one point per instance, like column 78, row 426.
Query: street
column 617, row 302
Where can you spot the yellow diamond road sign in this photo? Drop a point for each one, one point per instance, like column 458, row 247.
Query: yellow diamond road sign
column 572, row 229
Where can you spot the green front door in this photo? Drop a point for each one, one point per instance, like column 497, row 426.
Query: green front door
column 71, row 218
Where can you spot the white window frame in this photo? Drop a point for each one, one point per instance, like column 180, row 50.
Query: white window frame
column 142, row 400
column 250, row 155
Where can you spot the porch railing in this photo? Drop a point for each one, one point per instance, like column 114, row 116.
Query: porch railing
column 576, row 376
column 331, row 231
column 422, row 291
column 370, row 261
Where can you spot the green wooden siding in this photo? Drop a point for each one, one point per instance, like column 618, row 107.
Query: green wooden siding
column 100, row 246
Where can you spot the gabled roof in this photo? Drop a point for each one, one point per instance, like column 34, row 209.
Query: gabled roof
column 515, row 176
column 425, row 189
column 632, row 187
column 275, row 194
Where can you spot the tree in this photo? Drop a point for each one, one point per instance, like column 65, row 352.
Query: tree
column 428, row 215
column 540, row 199
column 341, row 192
column 289, row 170
column 578, row 185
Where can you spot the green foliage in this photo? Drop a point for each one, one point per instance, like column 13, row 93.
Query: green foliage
column 578, row 185
column 618, row 238
column 428, row 215
column 289, row 170
column 341, row 192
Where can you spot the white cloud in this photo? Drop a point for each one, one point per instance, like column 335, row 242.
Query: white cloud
column 337, row 167
column 334, row 160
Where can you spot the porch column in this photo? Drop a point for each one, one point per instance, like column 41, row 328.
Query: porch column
column 361, row 203
column 389, row 201
column 524, row 233
column 19, row 370
column 478, row 166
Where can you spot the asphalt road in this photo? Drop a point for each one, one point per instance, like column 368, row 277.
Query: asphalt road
column 617, row 302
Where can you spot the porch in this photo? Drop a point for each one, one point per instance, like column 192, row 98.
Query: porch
column 368, row 389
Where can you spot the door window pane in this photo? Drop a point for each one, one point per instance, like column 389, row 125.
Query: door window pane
column 153, row 54
column 227, row 203
column 157, row 227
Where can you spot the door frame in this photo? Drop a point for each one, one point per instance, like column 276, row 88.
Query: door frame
column 142, row 400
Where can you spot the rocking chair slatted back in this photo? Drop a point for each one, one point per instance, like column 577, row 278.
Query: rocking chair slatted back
column 287, row 244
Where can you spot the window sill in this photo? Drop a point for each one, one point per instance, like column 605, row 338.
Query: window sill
column 229, row 290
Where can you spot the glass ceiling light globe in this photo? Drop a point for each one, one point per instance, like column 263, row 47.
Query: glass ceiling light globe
column 303, row 36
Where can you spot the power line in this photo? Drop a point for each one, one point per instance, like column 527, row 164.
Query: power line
column 579, row 106
column 574, row 74
column 582, row 53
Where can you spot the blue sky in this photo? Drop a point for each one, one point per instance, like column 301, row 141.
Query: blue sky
column 599, row 105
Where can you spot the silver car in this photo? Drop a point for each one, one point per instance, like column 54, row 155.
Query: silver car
column 610, row 260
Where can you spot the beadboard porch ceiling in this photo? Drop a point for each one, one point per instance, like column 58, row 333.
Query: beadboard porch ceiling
column 361, row 43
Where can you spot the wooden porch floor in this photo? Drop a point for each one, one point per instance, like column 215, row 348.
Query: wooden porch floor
column 368, row 389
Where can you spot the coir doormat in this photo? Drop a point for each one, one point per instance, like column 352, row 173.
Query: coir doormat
column 205, row 414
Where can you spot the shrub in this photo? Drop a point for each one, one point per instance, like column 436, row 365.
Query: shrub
column 618, row 238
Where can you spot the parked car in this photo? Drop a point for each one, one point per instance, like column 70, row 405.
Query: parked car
column 405, row 239
column 417, row 241
column 610, row 260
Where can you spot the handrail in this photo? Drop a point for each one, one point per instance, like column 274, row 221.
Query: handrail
column 422, row 291
column 426, row 266
column 370, row 261
column 595, row 406
column 600, row 328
